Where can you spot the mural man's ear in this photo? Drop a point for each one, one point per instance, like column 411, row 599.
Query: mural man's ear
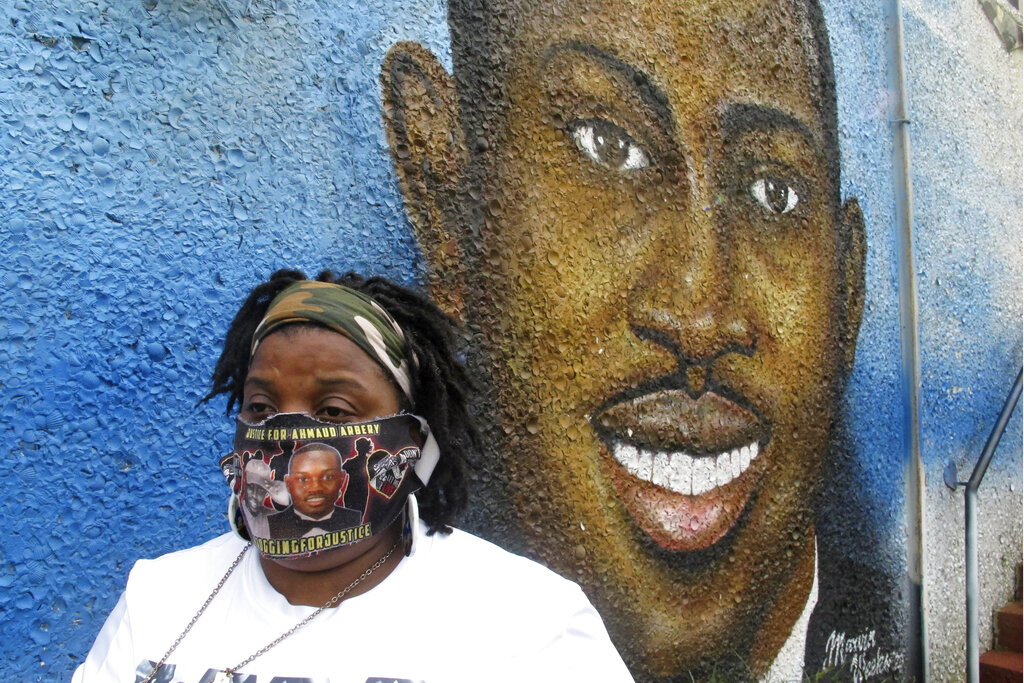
column 421, row 115
column 852, row 274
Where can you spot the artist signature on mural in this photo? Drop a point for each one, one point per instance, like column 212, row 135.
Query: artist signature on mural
column 859, row 656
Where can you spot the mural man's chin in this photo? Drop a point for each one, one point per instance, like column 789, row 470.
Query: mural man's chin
column 643, row 229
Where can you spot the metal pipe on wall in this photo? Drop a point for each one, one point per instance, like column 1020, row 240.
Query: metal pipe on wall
column 910, row 363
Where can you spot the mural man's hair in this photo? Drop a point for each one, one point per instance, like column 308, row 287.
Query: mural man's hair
column 441, row 384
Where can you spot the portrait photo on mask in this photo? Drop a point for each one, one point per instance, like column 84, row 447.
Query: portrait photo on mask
column 303, row 486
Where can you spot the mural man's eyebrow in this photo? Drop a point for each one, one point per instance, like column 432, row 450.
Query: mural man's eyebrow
column 652, row 95
column 738, row 119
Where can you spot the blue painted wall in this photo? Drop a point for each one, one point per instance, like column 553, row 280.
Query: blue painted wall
column 159, row 158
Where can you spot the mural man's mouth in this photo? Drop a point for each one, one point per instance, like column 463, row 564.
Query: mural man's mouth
column 684, row 467
column 680, row 472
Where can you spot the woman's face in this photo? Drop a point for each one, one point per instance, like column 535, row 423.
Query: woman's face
column 327, row 376
column 318, row 372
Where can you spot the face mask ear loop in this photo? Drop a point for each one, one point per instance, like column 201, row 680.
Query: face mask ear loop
column 410, row 524
column 429, row 454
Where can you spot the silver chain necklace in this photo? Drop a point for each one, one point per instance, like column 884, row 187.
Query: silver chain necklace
column 226, row 674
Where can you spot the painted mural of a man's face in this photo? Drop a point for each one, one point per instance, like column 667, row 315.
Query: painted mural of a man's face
column 636, row 207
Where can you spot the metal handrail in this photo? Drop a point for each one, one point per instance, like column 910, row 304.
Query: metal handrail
column 949, row 476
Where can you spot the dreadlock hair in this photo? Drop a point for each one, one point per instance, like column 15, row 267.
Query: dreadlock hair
column 440, row 384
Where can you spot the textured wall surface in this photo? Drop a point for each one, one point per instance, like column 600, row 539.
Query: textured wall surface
column 966, row 138
column 158, row 158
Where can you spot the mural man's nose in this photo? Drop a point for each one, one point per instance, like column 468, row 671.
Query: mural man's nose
column 689, row 297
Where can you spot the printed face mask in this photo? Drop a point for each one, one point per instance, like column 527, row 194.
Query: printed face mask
column 305, row 486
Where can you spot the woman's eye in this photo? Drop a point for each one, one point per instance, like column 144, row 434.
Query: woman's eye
column 258, row 410
column 774, row 194
column 606, row 144
column 333, row 414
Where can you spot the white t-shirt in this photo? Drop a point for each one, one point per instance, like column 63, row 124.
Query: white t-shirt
column 459, row 609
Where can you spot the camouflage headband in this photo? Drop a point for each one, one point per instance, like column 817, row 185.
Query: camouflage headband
column 347, row 312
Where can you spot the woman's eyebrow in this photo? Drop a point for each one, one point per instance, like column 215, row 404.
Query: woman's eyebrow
column 258, row 382
column 652, row 96
column 342, row 381
column 261, row 383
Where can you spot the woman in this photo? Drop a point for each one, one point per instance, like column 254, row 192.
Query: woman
column 349, row 394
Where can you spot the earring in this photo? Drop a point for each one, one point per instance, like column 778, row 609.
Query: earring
column 235, row 518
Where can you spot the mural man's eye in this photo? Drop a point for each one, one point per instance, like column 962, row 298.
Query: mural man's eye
column 606, row 144
column 774, row 195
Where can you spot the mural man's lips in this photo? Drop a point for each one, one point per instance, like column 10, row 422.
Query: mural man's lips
column 686, row 466
column 672, row 420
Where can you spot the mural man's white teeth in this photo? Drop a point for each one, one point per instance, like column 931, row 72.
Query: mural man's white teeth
column 683, row 473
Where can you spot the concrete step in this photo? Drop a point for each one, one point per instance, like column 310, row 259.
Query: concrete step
column 1008, row 627
column 1001, row 667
